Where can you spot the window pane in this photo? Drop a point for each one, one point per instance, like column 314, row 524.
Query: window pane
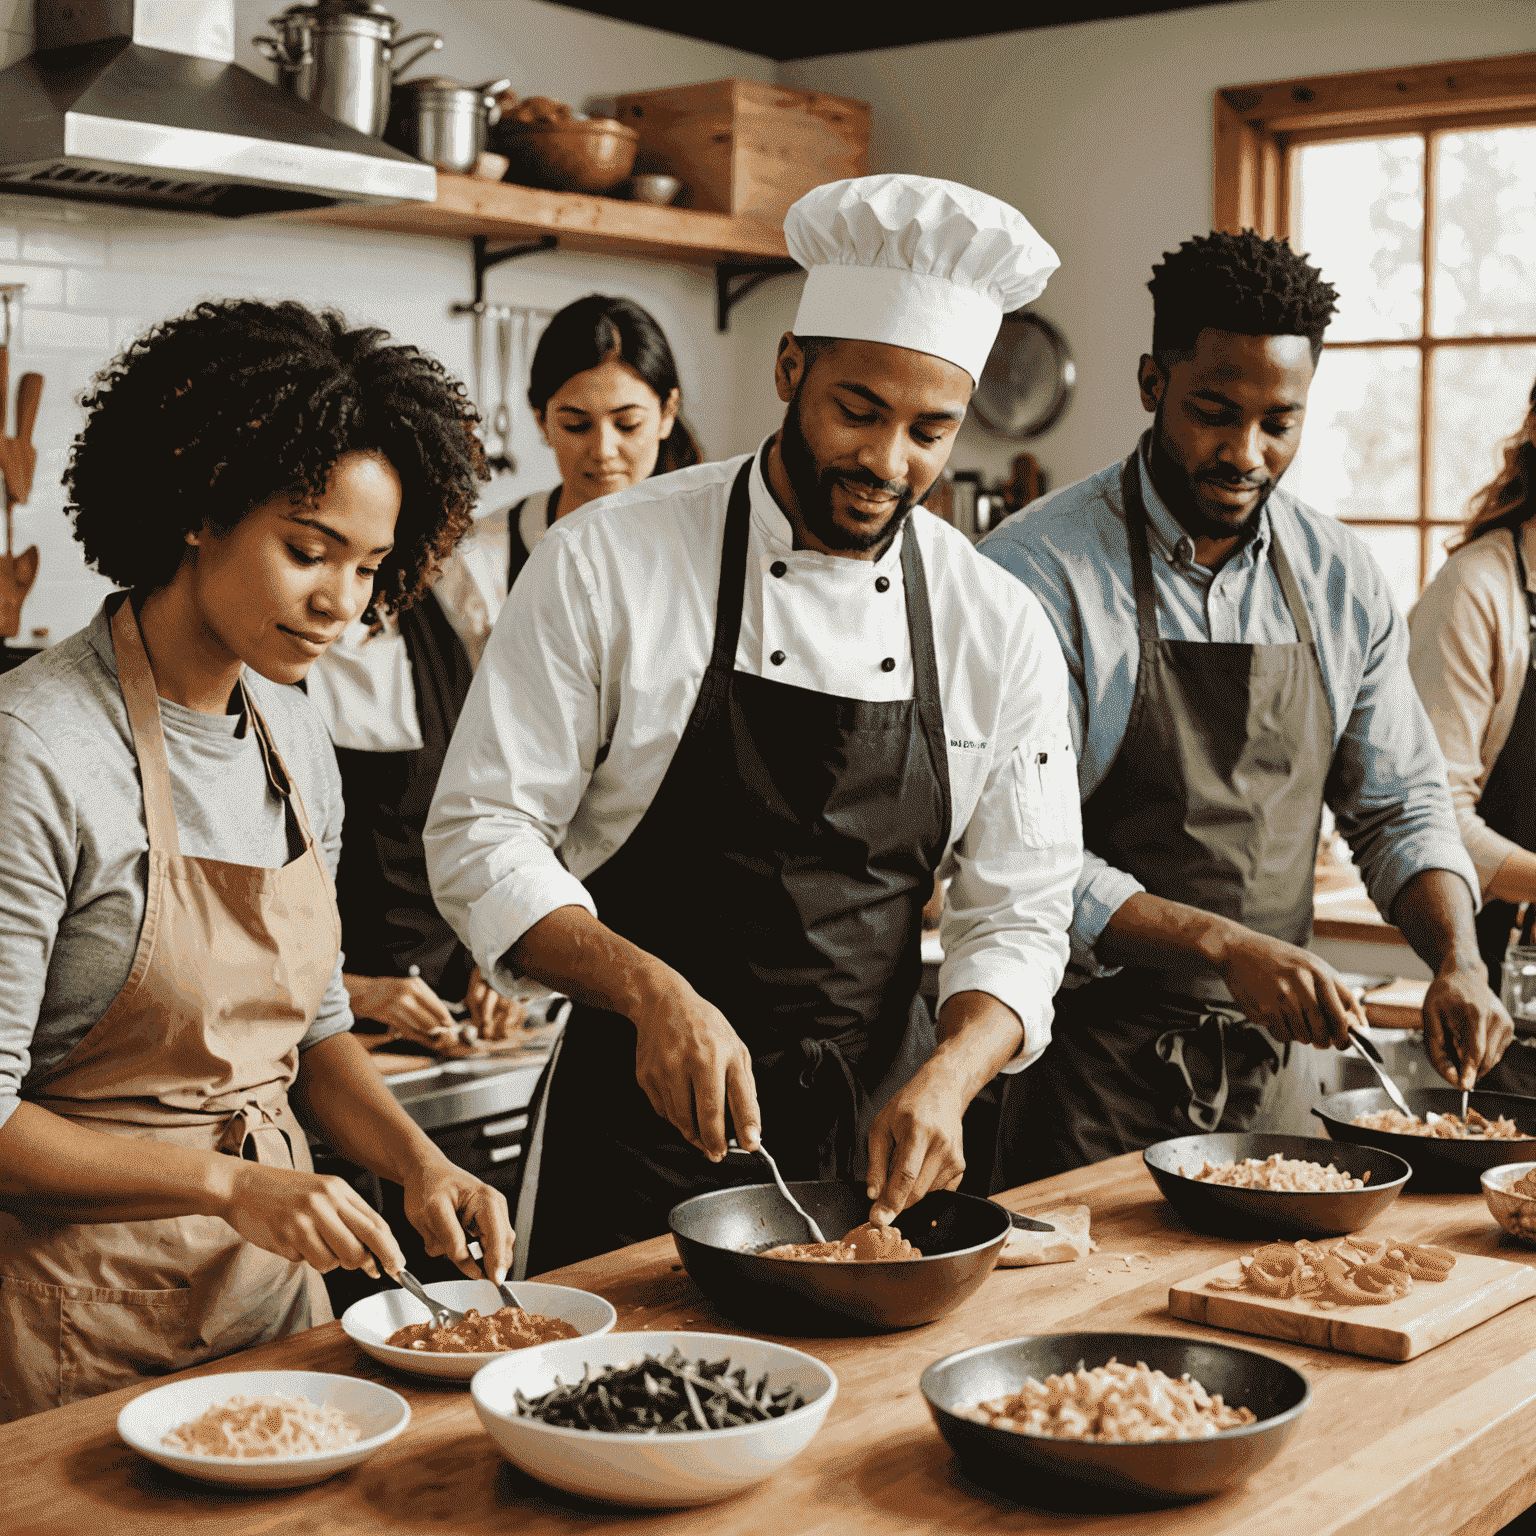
column 1397, row 553
column 1360, row 217
column 1485, row 233
column 1480, row 398
column 1359, row 453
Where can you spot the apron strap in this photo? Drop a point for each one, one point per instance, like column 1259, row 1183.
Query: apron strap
column 277, row 769
column 733, row 577
column 136, row 679
column 1141, row 555
column 1289, row 589
column 925, row 667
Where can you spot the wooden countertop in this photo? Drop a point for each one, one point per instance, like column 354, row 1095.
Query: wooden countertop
column 1441, row 1444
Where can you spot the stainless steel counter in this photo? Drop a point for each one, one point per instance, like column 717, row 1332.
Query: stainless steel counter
column 446, row 1093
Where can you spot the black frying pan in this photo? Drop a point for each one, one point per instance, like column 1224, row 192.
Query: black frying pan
column 719, row 1236
column 1439, row 1167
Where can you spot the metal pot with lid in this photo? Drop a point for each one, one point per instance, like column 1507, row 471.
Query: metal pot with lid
column 343, row 57
column 443, row 122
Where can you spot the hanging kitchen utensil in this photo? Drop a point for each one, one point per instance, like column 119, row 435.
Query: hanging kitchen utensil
column 18, row 461
column 501, row 420
column 1027, row 381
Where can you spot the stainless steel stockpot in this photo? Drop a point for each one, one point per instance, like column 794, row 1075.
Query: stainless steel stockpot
column 442, row 122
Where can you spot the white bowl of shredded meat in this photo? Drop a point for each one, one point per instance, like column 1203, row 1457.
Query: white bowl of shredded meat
column 1510, row 1191
column 374, row 1321
column 263, row 1429
column 1076, row 1421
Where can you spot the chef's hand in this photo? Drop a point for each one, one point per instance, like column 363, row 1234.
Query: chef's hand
column 315, row 1217
column 408, row 1007
column 1466, row 1029
column 1291, row 992
column 692, row 1066
column 442, row 1200
column 494, row 1016
column 915, row 1146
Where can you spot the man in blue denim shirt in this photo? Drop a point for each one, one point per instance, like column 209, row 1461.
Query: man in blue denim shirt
column 1236, row 662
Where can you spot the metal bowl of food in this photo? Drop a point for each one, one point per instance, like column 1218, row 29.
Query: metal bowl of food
column 1511, row 1207
column 720, row 1236
column 1079, row 1474
column 1231, row 1211
column 1441, row 1165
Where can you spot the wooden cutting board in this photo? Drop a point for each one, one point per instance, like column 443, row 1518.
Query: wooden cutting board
column 1431, row 1313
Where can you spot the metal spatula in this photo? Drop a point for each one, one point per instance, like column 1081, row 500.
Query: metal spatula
column 778, row 1179
column 1369, row 1054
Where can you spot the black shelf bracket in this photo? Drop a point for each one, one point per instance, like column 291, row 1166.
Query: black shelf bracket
column 485, row 258
column 745, row 275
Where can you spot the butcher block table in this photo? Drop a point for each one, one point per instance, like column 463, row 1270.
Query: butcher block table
column 1443, row 1444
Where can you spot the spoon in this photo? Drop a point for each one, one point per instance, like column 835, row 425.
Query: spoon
column 778, row 1179
column 441, row 1315
column 1369, row 1054
column 506, row 1292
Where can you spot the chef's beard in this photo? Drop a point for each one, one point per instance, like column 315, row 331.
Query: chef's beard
column 813, row 486
column 1169, row 476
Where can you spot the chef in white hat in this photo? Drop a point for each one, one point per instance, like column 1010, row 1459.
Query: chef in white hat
column 730, row 725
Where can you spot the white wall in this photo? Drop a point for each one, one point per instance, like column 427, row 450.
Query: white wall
column 1101, row 134
column 97, row 277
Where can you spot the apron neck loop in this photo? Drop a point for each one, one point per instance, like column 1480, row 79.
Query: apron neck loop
column 733, row 574
column 136, row 680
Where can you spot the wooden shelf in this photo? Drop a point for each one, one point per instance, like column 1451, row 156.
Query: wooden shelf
column 506, row 214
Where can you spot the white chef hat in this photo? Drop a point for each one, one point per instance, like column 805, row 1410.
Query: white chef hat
column 914, row 262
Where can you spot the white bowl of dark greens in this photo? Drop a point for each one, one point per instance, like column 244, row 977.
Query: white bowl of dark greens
column 655, row 1420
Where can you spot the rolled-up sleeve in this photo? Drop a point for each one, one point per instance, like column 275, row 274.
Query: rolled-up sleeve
column 1387, row 784
column 1460, row 655
column 520, row 760
column 1100, row 888
column 1004, row 930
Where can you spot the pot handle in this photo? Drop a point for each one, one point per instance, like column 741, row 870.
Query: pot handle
column 434, row 41
column 275, row 53
column 488, row 94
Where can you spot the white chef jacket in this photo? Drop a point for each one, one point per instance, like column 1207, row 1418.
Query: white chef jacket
column 597, row 658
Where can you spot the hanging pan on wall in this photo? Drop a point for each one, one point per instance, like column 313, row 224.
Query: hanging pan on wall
column 1028, row 379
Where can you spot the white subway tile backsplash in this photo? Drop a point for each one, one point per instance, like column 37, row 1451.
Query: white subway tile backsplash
column 50, row 243
column 45, row 285
column 53, row 330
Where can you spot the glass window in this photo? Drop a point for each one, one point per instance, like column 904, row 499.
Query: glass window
column 1421, row 382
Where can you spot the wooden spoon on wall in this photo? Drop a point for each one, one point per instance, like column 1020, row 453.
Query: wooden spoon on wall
column 18, row 463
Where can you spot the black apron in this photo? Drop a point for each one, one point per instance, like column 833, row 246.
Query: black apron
column 1508, row 806
column 1214, row 799
column 389, row 920
column 782, row 868
column 517, row 551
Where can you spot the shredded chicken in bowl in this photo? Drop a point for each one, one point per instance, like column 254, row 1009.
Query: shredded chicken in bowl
column 1288, row 1174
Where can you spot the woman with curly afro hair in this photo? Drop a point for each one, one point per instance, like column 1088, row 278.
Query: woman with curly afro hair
column 256, row 476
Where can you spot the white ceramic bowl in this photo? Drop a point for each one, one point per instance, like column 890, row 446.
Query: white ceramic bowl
column 380, row 1414
column 1515, row 1213
column 652, row 1471
column 369, row 1322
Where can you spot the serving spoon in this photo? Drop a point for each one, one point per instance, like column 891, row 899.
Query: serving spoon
column 1368, row 1053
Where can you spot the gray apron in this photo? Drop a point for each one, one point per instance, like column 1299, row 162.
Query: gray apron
column 1214, row 799
column 782, row 868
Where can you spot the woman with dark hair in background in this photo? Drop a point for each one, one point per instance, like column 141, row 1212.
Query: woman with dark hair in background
column 170, row 816
column 1470, row 654
column 605, row 392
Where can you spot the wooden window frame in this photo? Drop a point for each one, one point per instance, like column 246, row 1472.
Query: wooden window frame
column 1256, row 124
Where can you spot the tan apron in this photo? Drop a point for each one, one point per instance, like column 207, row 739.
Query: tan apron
column 199, row 1048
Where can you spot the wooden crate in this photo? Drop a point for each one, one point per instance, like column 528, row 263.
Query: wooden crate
column 743, row 147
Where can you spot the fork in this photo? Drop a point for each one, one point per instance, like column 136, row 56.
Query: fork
column 1373, row 1059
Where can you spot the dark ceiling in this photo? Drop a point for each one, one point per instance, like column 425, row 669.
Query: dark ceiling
column 806, row 29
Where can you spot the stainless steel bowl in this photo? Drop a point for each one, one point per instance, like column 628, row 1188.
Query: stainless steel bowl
column 1230, row 1212
column 719, row 1237
column 1439, row 1167
column 1080, row 1475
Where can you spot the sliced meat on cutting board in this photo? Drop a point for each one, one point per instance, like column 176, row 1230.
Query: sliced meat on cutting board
column 1431, row 1313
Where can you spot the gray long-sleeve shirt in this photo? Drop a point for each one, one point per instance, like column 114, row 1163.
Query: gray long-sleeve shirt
column 74, row 847
column 1386, row 782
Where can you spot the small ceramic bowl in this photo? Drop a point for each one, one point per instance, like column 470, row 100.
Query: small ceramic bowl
column 1515, row 1213
column 379, row 1413
column 654, row 188
column 369, row 1322
column 651, row 1471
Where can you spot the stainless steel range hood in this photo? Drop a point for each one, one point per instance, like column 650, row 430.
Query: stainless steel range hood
column 138, row 102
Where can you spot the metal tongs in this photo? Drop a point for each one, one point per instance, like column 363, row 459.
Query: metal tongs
column 1368, row 1053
